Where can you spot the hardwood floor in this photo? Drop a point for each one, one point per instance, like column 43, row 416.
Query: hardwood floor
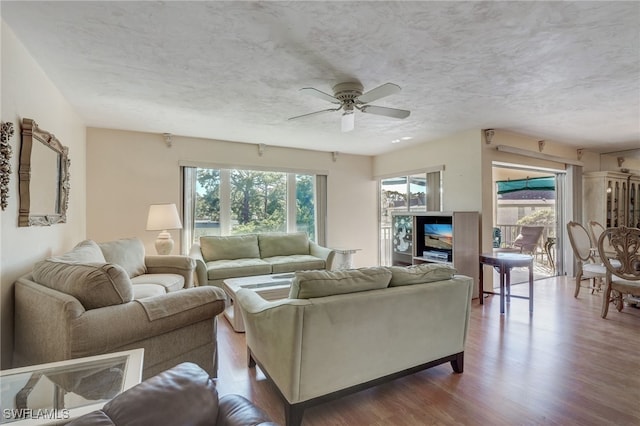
column 563, row 365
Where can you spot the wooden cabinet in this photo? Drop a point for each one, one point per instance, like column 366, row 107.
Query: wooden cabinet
column 611, row 198
column 437, row 237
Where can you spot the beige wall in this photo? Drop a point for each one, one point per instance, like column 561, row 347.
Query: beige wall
column 610, row 163
column 27, row 92
column 458, row 153
column 127, row 171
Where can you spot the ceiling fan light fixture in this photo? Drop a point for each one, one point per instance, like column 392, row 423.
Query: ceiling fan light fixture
column 349, row 97
column 348, row 121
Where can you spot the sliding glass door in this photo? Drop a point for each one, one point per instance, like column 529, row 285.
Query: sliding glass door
column 417, row 192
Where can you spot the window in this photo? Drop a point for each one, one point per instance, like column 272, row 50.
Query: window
column 258, row 201
column 237, row 201
column 418, row 192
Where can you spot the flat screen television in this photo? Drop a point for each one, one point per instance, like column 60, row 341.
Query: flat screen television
column 438, row 236
column 436, row 240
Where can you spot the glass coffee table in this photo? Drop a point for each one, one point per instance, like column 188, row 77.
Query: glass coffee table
column 270, row 287
column 58, row 392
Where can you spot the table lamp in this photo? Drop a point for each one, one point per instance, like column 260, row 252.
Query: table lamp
column 163, row 217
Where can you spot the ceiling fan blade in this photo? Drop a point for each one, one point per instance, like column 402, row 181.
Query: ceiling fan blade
column 387, row 112
column 314, row 113
column 319, row 94
column 348, row 122
column 379, row 92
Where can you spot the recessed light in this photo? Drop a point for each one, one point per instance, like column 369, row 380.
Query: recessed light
column 406, row 138
column 395, row 141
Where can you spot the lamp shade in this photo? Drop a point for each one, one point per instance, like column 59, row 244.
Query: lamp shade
column 162, row 217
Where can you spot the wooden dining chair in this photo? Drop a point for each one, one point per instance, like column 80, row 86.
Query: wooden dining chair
column 595, row 230
column 622, row 273
column 587, row 265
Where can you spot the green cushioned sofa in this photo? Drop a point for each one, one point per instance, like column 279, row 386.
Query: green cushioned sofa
column 339, row 332
column 221, row 257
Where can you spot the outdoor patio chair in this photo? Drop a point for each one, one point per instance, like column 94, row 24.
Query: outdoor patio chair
column 528, row 239
column 622, row 273
column 497, row 237
column 587, row 267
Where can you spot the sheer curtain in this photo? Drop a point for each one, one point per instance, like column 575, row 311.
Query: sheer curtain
column 188, row 207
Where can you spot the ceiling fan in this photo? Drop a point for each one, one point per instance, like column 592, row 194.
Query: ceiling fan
column 349, row 97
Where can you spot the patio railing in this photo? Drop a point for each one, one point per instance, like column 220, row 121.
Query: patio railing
column 508, row 234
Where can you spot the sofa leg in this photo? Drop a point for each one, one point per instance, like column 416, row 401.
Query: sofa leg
column 458, row 363
column 250, row 361
column 293, row 414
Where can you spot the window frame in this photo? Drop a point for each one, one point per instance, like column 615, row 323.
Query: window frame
column 188, row 188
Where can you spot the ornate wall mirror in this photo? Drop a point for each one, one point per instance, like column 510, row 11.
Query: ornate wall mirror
column 44, row 177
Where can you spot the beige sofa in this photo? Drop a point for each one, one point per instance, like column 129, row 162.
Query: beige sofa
column 110, row 297
column 218, row 258
column 342, row 331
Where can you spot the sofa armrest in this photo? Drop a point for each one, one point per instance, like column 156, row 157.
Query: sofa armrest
column 322, row 252
column 105, row 329
column 201, row 266
column 172, row 264
column 39, row 313
column 278, row 348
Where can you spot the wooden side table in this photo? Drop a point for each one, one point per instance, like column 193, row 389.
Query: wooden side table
column 503, row 262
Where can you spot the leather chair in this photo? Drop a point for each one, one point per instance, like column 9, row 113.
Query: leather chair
column 183, row 395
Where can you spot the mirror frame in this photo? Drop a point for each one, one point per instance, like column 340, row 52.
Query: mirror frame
column 32, row 133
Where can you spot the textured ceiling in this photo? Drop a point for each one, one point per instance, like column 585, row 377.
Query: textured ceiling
column 563, row 71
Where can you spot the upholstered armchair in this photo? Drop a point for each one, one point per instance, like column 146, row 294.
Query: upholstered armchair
column 79, row 304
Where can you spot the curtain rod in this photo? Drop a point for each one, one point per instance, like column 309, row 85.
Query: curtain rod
column 539, row 155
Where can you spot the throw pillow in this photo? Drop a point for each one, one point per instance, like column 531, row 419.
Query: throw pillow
column 422, row 273
column 229, row 248
column 309, row 284
column 84, row 252
column 95, row 285
column 128, row 253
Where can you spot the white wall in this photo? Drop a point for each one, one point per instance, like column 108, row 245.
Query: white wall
column 128, row 171
column 28, row 93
